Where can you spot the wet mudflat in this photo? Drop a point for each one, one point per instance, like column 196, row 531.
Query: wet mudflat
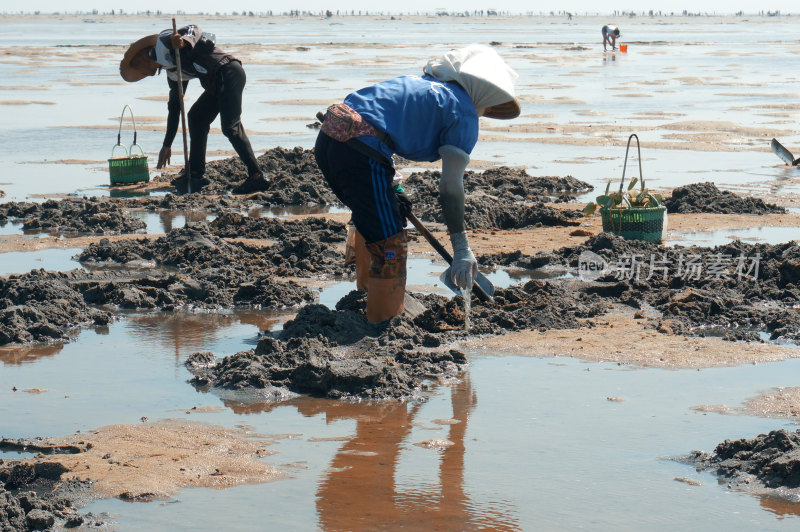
column 479, row 441
column 332, row 353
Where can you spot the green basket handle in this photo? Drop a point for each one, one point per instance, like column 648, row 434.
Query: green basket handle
column 131, row 150
column 625, row 166
column 119, row 132
column 127, row 154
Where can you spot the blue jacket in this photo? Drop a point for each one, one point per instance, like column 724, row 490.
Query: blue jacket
column 420, row 115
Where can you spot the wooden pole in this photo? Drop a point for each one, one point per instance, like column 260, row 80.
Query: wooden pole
column 187, row 169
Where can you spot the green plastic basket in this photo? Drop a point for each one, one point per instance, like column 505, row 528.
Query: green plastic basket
column 639, row 223
column 130, row 168
column 635, row 224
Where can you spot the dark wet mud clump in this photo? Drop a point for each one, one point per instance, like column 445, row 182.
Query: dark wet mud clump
column 706, row 197
column 188, row 268
column 198, row 268
column 338, row 354
column 294, row 178
column 32, row 497
column 768, row 463
column 735, row 290
column 39, row 307
column 500, row 198
column 72, row 215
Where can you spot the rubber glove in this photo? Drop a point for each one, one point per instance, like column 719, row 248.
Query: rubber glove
column 464, row 267
column 163, row 157
column 405, row 202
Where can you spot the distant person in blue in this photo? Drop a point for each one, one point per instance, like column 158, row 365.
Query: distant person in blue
column 421, row 118
column 610, row 34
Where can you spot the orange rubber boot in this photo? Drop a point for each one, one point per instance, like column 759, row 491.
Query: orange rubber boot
column 386, row 285
column 363, row 259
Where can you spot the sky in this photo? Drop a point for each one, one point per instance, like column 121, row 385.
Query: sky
column 407, row 6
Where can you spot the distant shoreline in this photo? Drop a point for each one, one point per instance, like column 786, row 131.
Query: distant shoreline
column 449, row 15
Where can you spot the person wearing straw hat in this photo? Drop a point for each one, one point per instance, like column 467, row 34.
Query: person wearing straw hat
column 222, row 78
column 430, row 117
column 610, row 34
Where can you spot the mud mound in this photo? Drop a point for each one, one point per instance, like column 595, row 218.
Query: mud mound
column 33, row 497
column 767, row 463
column 210, row 271
column 295, row 178
column 27, row 511
column 484, row 212
column 39, row 307
column 190, row 202
column 335, row 354
column 72, row 215
column 500, row 198
column 735, row 290
column 706, row 197
column 188, row 268
column 233, row 225
column 338, row 354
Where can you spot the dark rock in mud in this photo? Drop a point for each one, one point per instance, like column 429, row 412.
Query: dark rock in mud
column 40, row 306
column 767, row 463
column 73, row 215
column 706, row 197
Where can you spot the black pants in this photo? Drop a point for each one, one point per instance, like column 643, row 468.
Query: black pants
column 362, row 183
column 227, row 103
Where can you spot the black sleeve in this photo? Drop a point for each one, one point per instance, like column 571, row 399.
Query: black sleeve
column 174, row 108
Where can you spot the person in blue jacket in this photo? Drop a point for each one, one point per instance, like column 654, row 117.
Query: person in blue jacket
column 424, row 117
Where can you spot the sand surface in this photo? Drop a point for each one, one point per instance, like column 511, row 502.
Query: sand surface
column 154, row 460
column 643, row 345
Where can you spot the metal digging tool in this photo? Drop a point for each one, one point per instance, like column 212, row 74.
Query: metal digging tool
column 784, row 154
column 482, row 286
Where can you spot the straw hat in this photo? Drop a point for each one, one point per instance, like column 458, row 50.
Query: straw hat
column 136, row 64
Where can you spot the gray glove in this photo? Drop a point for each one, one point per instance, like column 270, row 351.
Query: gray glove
column 464, row 267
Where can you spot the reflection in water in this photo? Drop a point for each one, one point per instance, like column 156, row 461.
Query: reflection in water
column 780, row 507
column 184, row 333
column 359, row 490
column 168, row 218
column 14, row 355
column 290, row 210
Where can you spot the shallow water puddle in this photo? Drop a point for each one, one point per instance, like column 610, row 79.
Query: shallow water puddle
column 49, row 259
column 10, row 228
column 523, row 442
column 164, row 221
column 763, row 234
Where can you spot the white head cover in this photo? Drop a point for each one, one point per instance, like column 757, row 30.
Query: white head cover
column 164, row 55
column 480, row 71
